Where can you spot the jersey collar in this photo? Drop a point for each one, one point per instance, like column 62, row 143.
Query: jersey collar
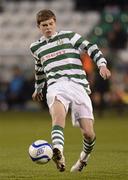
column 47, row 39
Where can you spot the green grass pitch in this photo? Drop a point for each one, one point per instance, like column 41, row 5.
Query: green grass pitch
column 109, row 160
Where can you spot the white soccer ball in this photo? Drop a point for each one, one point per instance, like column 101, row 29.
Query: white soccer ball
column 40, row 151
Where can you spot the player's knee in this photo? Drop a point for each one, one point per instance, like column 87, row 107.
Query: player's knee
column 89, row 135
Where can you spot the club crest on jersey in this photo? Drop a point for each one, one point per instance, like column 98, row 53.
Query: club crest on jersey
column 59, row 42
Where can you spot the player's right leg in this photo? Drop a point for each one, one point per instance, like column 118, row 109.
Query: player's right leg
column 87, row 129
column 58, row 115
column 82, row 115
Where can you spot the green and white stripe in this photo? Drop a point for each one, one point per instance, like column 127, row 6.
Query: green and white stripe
column 57, row 136
column 59, row 58
column 88, row 146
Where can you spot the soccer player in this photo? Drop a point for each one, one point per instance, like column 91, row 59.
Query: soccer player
column 57, row 62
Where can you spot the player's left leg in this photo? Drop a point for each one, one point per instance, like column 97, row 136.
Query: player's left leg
column 87, row 129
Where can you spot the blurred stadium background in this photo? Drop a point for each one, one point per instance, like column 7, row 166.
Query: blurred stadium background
column 102, row 22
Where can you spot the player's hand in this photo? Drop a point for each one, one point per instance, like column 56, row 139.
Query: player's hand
column 104, row 72
column 37, row 96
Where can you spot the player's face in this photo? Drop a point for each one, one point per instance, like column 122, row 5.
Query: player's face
column 48, row 27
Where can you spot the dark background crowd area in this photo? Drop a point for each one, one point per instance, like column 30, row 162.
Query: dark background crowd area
column 110, row 33
column 99, row 4
column 82, row 5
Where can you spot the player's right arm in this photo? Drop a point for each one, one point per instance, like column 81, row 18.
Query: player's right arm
column 37, row 96
column 39, row 79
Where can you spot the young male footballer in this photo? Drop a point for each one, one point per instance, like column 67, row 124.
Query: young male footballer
column 57, row 62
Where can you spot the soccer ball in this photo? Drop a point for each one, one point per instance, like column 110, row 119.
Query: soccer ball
column 40, row 152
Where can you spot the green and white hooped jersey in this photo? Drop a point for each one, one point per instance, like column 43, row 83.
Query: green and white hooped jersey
column 58, row 58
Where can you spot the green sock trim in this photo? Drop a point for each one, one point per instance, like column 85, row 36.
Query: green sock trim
column 57, row 127
column 91, row 141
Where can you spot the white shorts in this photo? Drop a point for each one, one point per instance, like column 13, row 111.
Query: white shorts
column 73, row 96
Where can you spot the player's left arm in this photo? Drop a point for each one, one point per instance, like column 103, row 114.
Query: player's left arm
column 104, row 72
column 93, row 51
column 97, row 56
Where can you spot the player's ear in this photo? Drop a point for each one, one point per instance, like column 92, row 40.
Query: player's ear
column 38, row 24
